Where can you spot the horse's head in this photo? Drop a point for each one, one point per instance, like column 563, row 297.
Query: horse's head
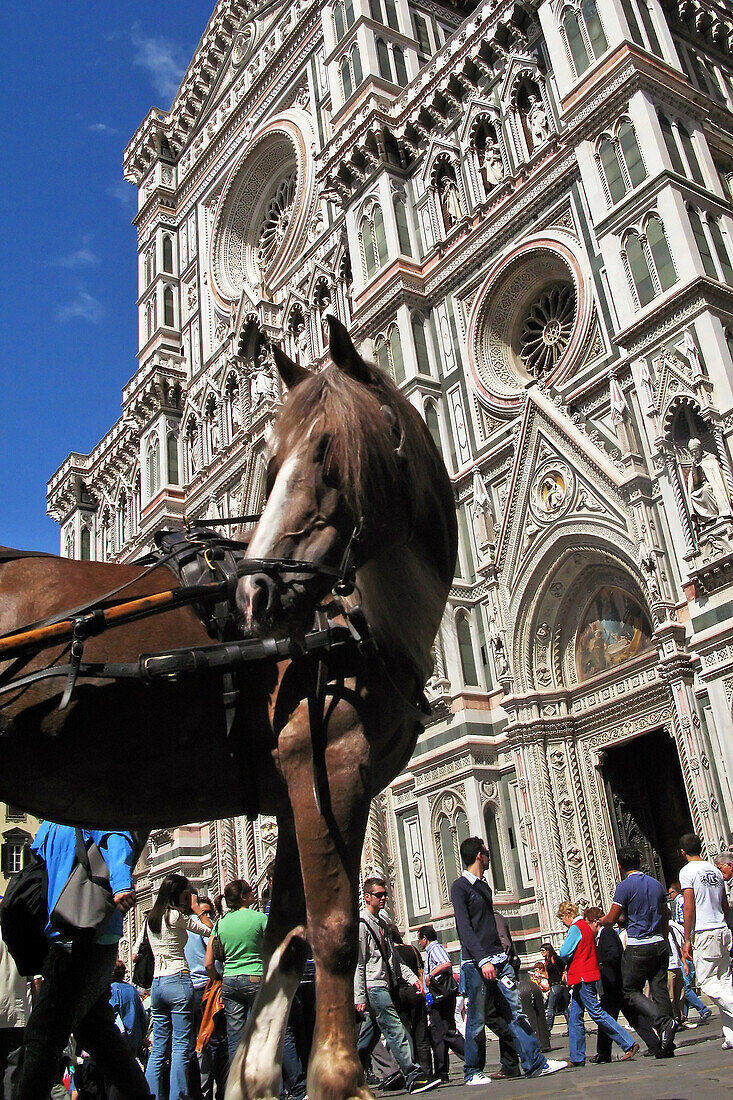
column 353, row 473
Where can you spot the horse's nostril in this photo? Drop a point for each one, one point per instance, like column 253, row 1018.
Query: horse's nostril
column 259, row 595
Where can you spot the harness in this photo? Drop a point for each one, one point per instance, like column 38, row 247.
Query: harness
column 209, row 568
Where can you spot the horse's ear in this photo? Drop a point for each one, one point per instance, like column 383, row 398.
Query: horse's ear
column 343, row 352
column 291, row 373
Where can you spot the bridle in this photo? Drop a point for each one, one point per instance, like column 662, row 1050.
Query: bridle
column 313, row 656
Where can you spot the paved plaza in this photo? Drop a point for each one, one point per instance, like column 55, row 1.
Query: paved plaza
column 700, row 1070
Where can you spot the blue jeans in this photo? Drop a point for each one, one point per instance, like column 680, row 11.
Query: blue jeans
column 585, row 997
column 238, row 993
column 691, row 998
column 383, row 1017
column 510, row 1009
column 171, row 1001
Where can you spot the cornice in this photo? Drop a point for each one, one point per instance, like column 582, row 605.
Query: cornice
column 676, row 310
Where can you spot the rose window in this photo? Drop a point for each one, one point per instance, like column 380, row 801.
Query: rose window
column 547, row 329
column 276, row 221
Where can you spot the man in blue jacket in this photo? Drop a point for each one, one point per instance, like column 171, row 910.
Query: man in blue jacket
column 75, row 992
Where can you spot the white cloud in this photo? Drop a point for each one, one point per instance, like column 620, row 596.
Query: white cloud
column 80, row 257
column 124, row 193
column 101, row 128
column 164, row 61
column 84, row 307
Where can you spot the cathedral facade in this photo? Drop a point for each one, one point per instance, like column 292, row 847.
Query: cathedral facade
column 522, row 212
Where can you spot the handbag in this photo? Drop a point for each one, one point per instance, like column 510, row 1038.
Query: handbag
column 85, row 903
column 144, row 965
column 23, row 917
column 443, row 985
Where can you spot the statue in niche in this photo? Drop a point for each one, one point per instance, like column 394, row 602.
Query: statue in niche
column 450, row 203
column 494, row 165
column 482, row 517
column 537, row 122
column 304, row 351
column 706, row 488
column 261, row 385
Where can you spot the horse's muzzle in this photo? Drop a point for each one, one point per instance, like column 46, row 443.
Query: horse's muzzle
column 258, row 600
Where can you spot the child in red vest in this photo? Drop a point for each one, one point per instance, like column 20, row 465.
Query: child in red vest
column 579, row 947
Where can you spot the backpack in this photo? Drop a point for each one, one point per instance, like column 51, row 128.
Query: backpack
column 144, row 966
column 24, row 915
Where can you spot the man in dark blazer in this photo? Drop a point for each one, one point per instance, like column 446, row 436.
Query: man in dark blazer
column 488, row 973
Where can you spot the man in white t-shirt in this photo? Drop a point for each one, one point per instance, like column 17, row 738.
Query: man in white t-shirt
column 705, row 910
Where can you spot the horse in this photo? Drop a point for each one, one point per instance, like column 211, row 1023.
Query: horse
column 354, row 472
column 357, row 493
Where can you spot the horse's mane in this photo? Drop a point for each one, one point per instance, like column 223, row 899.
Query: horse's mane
column 364, row 446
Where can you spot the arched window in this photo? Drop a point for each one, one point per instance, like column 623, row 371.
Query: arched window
column 346, row 77
column 400, row 66
column 612, row 169
column 634, row 28
column 465, row 649
column 356, row 65
column 449, row 857
column 403, row 233
column 671, row 144
column 496, row 868
column 640, row 271
column 631, row 153
column 584, row 34
column 150, row 319
column 367, row 247
column 690, row 154
column 660, row 253
column 419, row 339
column 379, row 237
column 381, row 350
column 722, row 252
column 391, row 10
column 375, row 10
column 86, row 544
column 576, row 42
column 339, row 24
column 433, row 424
column 385, row 69
column 395, row 347
column 702, row 243
column 168, row 314
column 349, row 12
column 168, row 254
column 647, row 20
column 421, row 33
column 153, row 467
column 172, row 458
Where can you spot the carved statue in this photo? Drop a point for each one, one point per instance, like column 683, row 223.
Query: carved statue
column 494, row 165
column 706, row 488
column 450, row 202
column 537, row 124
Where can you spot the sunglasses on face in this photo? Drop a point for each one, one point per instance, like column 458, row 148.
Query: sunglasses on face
column 381, row 894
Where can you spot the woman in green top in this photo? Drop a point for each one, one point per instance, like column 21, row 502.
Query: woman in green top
column 237, row 942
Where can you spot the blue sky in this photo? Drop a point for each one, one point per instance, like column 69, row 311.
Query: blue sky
column 78, row 78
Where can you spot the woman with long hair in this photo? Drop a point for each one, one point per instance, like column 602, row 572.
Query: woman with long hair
column 558, row 994
column 175, row 913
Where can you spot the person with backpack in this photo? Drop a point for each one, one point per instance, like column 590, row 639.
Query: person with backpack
column 175, row 913
column 74, row 995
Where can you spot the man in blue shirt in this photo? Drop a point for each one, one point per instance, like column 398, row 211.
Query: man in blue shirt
column 644, row 902
column 75, row 992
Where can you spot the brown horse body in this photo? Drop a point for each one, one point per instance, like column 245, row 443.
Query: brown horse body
column 354, row 476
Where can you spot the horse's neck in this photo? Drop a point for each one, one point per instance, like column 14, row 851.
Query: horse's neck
column 403, row 602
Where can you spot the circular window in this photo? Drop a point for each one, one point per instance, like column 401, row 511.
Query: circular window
column 547, row 329
column 264, row 210
column 530, row 321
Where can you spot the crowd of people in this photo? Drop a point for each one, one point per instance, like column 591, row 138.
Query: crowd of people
column 80, row 1029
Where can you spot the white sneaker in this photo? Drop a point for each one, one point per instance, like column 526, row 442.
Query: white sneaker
column 477, row 1079
column 552, row 1067
column 728, row 1044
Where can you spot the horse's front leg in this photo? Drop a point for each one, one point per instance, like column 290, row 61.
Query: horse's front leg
column 330, row 851
column 257, row 1067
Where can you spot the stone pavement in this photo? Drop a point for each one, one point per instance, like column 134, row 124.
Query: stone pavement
column 700, row 1070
